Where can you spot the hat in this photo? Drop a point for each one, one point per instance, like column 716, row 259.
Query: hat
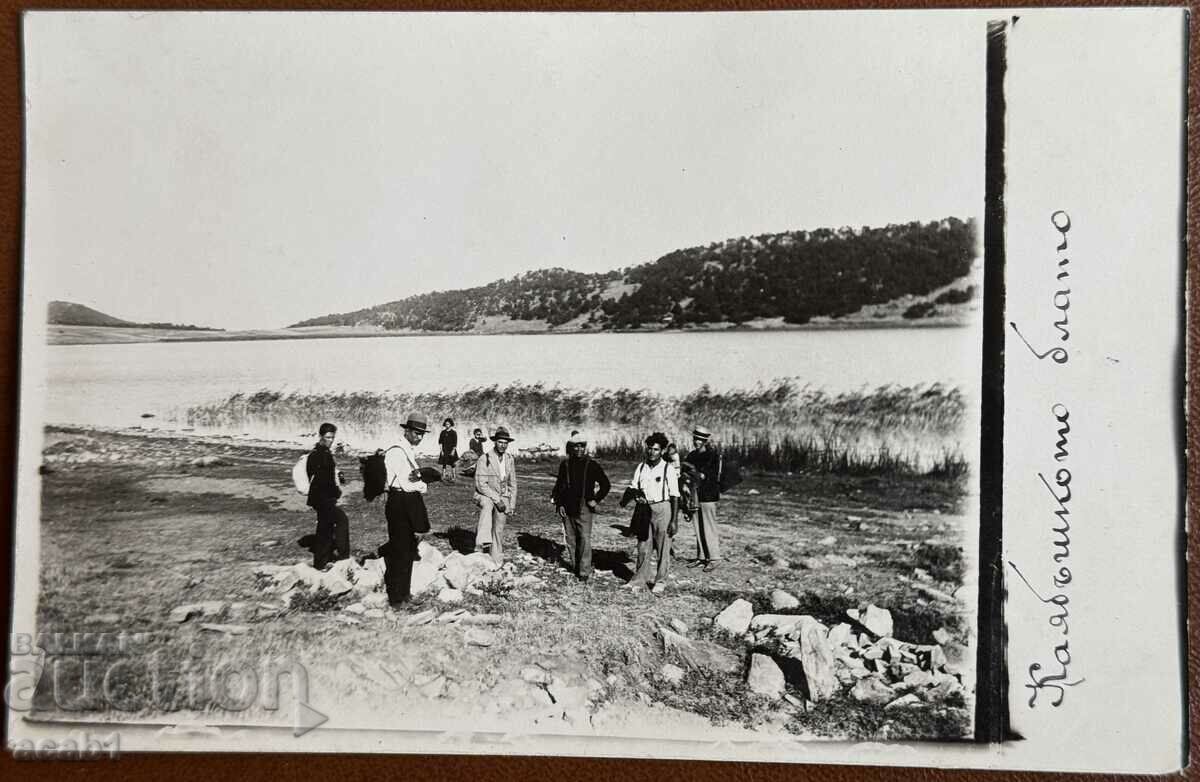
column 579, row 438
column 502, row 434
column 700, row 433
column 417, row 422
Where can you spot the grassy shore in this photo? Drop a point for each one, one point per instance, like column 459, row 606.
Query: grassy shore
column 133, row 526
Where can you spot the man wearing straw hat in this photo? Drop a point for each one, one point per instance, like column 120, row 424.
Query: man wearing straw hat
column 580, row 487
column 405, row 510
column 495, row 494
column 710, row 467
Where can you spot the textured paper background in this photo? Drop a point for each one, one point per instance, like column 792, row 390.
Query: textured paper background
column 442, row 767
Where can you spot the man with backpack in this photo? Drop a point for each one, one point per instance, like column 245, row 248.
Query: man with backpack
column 332, row 540
column 580, row 487
column 405, row 510
column 713, row 476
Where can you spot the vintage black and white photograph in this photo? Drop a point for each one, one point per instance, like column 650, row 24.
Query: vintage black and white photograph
column 602, row 376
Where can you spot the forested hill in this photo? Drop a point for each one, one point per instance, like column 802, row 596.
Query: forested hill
column 794, row 276
column 68, row 313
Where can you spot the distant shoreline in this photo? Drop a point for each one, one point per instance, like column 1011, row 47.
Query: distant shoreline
column 111, row 335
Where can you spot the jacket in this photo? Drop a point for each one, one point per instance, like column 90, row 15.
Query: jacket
column 579, row 481
column 709, row 463
column 488, row 482
column 322, row 476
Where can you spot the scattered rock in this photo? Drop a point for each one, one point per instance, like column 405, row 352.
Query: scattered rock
column 420, row 618
column 816, row 659
column 347, row 620
column 355, row 608
column 269, row 543
column 536, row 675
column 877, row 620
column 921, row 574
column 841, row 634
column 934, row 594
column 754, row 492
column 838, row 559
column 828, row 540
column 904, row 701
column 735, row 619
column 183, row 613
column 779, row 562
column 482, row 619
column 424, row 576
column 374, row 613
column 375, row 600
column 699, row 653
column 450, row 617
column 678, row 626
column 764, row 677
column 449, row 595
column 227, row 629
column 671, row 673
column 430, row 555
column 944, row 690
column 776, row 624
column 781, row 600
column 872, row 689
column 208, row 461
column 479, row 637
column 942, row 636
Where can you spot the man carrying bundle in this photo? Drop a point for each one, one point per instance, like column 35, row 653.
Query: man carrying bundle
column 332, row 540
column 655, row 489
column 580, row 487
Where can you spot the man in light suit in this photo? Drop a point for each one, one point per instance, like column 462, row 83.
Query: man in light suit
column 495, row 494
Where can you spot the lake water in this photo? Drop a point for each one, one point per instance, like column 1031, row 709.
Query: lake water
column 114, row 385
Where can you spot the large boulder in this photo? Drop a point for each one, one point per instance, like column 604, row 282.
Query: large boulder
column 776, row 624
column 735, row 619
column 428, row 553
column 841, row 635
column 877, row 620
column 454, row 570
column 764, row 677
column 809, row 662
column 424, row 577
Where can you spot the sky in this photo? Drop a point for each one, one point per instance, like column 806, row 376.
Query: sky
column 253, row 170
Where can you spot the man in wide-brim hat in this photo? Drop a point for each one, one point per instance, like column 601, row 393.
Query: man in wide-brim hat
column 405, row 504
column 711, row 481
column 495, row 494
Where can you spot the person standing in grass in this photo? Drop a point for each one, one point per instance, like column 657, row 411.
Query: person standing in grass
column 405, row 510
column 711, row 480
column 477, row 442
column 332, row 540
column 495, row 495
column 448, row 440
column 655, row 489
column 580, row 487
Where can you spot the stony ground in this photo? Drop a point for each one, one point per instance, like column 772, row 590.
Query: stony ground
column 184, row 541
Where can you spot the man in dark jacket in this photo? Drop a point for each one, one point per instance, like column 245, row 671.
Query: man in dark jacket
column 580, row 487
column 713, row 477
column 332, row 540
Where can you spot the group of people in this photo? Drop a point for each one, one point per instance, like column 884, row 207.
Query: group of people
column 663, row 486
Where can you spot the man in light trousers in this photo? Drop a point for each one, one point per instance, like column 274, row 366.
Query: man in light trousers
column 655, row 487
column 495, row 494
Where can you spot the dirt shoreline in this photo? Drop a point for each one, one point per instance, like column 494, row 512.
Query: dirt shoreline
column 134, row 525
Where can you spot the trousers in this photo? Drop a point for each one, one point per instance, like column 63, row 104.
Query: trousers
column 708, row 547
column 490, row 530
column 332, row 540
column 651, row 522
column 399, row 551
column 577, row 532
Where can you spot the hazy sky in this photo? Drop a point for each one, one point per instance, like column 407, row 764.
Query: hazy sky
column 253, row 170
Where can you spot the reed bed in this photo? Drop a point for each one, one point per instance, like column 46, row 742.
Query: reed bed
column 778, row 426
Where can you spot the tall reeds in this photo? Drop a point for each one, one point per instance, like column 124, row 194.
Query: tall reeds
column 782, row 425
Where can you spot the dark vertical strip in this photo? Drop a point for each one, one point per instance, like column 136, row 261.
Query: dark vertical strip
column 991, row 693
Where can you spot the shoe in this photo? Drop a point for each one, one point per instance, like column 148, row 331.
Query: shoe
column 399, row 605
column 658, row 589
column 697, row 563
column 710, row 566
column 632, row 587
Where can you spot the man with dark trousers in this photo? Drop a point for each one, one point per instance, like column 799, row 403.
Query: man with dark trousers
column 581, row 486
column 405, row 511
column 332, row 540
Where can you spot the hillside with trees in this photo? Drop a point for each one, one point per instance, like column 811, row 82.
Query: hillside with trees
column 794, row 276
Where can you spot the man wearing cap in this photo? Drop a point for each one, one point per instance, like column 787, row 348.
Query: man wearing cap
column 404, row 503
column 710, row 467
column 332, row 540
column 495, row 494
column 580, row 487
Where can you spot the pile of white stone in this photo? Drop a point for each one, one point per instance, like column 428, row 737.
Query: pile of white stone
column 448, row 577
column 859, row 658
